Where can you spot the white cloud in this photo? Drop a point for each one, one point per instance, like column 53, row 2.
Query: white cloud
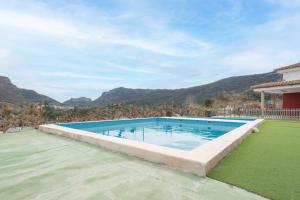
column 76, row 75
column 270, row 45
column 163, row 41
column 164, row 45
column 6, row 58
column 260, row 60
column 38, row 24
column 142, row 44
column 288, row 3
column 137, row 69
column 3, row 53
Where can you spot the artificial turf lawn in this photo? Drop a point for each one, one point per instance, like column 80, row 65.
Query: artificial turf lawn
column 267, row 163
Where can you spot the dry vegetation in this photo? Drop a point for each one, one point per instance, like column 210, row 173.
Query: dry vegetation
column 32, row 115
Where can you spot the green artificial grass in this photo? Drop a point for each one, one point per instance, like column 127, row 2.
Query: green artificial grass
column 267, row 163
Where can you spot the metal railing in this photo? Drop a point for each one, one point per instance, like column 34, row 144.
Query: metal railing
column 267, row 113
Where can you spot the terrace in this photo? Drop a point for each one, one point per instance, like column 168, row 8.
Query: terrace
column 36, row 165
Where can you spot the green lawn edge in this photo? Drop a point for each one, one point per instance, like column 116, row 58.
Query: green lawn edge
column 266, row 163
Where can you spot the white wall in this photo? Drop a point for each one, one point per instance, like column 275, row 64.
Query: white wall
column 291, row 75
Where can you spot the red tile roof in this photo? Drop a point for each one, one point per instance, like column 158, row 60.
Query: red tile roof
column 297, row 65
column 276, row 84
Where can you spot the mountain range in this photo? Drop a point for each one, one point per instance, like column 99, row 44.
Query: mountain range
column 80, row 102
column 9, row 93
column 178, row 96
column 12, row 94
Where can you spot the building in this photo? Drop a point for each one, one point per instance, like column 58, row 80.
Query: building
column 289, row 87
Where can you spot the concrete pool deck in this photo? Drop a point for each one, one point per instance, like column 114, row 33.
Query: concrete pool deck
column 35, row 165
column 198, row 161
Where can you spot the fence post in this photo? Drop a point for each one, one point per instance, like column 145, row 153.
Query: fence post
column 262, row 103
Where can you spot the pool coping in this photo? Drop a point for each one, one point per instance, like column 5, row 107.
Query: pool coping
column 198, row 161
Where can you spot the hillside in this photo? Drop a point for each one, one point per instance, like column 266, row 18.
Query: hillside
column 10, row 93
column 80, row 102
column 178, row 96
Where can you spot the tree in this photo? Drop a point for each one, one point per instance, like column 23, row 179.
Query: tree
column 7, row 117
column 208, row 103
column 190, row 105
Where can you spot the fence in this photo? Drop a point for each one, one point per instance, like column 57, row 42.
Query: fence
column 267, row 113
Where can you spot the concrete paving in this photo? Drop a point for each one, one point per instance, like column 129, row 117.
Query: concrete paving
column 38, row 166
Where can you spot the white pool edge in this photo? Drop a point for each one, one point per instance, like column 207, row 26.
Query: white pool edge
column 199, row 161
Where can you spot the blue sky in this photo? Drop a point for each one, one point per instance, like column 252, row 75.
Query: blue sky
column 81, row 48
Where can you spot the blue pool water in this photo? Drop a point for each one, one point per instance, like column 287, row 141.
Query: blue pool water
column 175, row 133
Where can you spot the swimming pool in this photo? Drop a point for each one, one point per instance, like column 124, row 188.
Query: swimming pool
column 174, row 133
column 193, row 145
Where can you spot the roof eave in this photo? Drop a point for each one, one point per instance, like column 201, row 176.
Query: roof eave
column 287, row 68
column 280, row 89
